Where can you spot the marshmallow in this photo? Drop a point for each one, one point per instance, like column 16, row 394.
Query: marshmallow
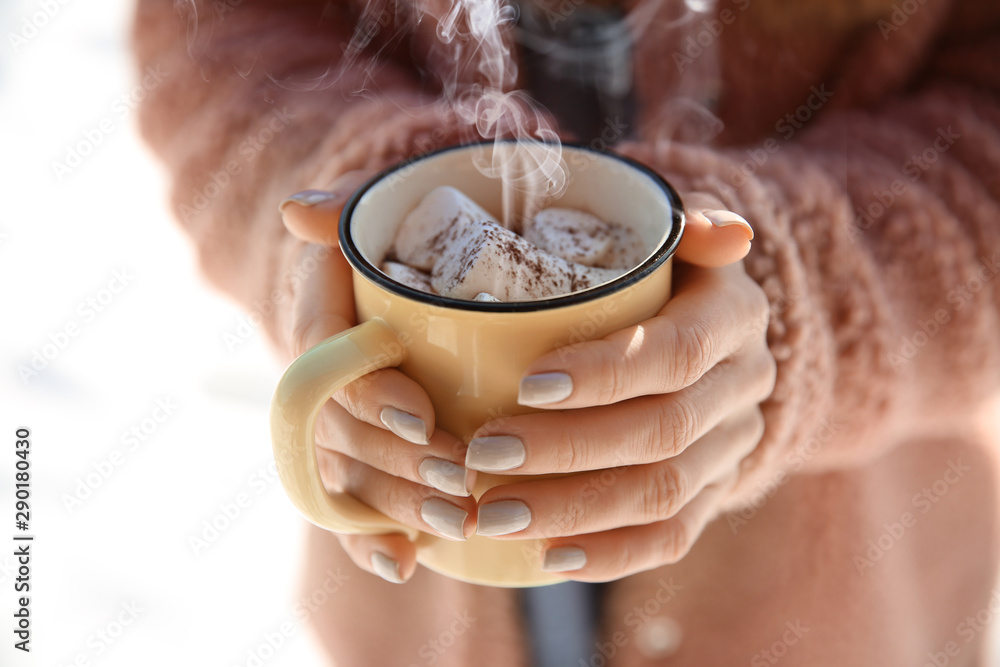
column 627, row 250
column 585, row 277
column 573, row 235
column 440, row 214
column 448, row 245
column 583, row 238
column 485, row 257
column 408, row 276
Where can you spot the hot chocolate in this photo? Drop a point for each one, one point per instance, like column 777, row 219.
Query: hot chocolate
column 449, row 245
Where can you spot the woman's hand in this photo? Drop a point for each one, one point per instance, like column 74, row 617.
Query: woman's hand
column 655, row 420
column 706, row 345
column 376, row 439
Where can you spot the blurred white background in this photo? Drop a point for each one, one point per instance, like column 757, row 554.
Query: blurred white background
column 114, row 531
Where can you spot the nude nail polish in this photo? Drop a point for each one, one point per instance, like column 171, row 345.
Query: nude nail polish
column 721, row 218
column 406, row 426
column 502, row 518
column 445, row 476
column 386, row 568
column 495, row 453
column 544, row 388
column 445, row 518
column 563, row 559
column 306, row 198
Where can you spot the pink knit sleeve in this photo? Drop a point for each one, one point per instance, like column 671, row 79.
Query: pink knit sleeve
column 254, row 104
column 878, row 245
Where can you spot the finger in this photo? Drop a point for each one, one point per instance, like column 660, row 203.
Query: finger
column 314, row 215
column 635, row 432
column 618, row 553
column 607, row 499
column 713, row 236
column 714, row 314
column 388, row 399
column 391, row 557
column 324, row 302
column 439, row 464
column 404, row 501
column 324, row 307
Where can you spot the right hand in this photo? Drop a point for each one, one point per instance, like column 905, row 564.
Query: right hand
column 389, row 465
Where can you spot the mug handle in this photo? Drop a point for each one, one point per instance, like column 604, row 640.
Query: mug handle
column 301, row 393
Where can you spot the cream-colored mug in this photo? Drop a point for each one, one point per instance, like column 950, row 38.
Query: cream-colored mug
column 469, row 356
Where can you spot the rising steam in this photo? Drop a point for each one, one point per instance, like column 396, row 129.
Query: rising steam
column 527, row 154
column 464, row 40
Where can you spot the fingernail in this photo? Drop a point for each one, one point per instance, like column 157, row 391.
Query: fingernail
column 544, row 388
column 721, row 218
column 444, row 517
column 307, row 198
column 495, row 453
column 563, row 559
column 502, row 518
column 405, row 425
column 444, row 476
column 386, row 568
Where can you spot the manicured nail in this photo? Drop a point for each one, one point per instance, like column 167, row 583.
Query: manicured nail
column 502, row 518
column 563, row 559
column 445, row 476
column 495, row 453
column 307, row 198
column 445, row 518
column 721, row 218
column 405, row 425
column 544, row 388
column 386, row 568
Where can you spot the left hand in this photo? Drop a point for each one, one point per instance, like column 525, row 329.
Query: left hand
column 654, row 419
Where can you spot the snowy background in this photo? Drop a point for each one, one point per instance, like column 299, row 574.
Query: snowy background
column 145, row 425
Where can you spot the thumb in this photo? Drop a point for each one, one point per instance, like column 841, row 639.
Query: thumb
column 314, row 215
column 323, row 304
column 713, row 236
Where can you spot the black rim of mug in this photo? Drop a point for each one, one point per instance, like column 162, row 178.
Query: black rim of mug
column 372, row 273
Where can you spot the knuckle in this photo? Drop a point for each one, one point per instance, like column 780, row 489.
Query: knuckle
column 613, row 377
column 665, row 491
column 356, row 397
column 630, row 559
column 568, row 454
column 677, row 426
column 757, row 424
column 325, row 427
column 348, row 397
column 334, row 470
column 397, row 494
column 770, row 373
column 676, row 542
column 656, row 442
column 694, row 349
column 758, row 309
column 569, row 520
column 755, row 296
column 390, row 460
column 653, row 443
column 765, row 370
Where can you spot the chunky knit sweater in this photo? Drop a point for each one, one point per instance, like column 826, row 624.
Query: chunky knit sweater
column 861, row 139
